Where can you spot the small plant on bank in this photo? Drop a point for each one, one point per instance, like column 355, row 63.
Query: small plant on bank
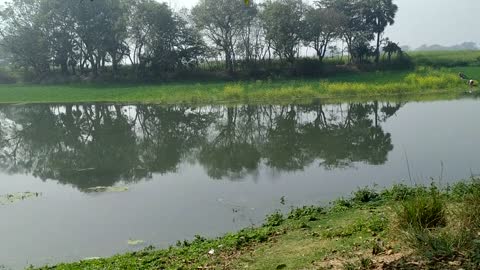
column 468, row 194
column 274, row 220
column 365, row 195
column 341, row 205
column 423, row 212
column 402, row 192
column 309, row 213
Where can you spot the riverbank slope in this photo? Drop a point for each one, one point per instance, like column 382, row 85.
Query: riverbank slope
column 398, row 228
column 423, row 81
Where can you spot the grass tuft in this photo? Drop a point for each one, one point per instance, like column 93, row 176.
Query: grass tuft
column 423, row 212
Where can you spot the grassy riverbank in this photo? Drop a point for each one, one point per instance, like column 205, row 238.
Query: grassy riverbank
column 423, row 81
column 398, row 228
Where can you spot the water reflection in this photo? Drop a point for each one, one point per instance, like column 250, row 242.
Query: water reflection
column 99, row 145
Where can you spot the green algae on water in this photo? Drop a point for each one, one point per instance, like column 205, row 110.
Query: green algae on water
column 16, row 197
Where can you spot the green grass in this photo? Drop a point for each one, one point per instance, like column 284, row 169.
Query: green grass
column 446, row 58
column 370, row 229
column 423, row 81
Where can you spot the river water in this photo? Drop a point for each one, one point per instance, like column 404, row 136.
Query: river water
column 206, row 170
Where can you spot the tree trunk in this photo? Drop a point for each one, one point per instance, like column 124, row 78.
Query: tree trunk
column 94, row 66
column 114, row 64
column 64, row 67
column 228, row 62
column 377, row 51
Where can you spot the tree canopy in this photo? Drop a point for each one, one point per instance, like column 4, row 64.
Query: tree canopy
column 91, row 38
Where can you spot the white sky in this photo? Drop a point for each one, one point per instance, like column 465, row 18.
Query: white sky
column 444, row 22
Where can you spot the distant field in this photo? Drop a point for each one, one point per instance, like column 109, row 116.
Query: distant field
column 364, row 85
column 446, row 58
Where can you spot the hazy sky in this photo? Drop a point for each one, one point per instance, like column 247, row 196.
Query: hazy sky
column 444, row 22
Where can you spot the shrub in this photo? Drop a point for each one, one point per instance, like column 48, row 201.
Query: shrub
column 423, row 212
column 274, row 220
column 435, row 246
column 469, row 211
column 305, row 212
column 365, row 195
column 341, row 204
column 401, row 192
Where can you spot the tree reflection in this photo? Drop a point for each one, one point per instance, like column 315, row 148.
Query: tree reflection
column 100, row 145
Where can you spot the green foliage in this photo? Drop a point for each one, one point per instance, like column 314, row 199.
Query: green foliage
column 365, row 195
column 274, row 220
column 423, row 212
column 374, row 223
column 446, row 58
column 438, row 232
column 260, row 91
column 426, row 78
column 283, row 24
column 223, row 20
column 402, row 192
column 347, row 236
column 322, row 26
column 434, row 246
column 342, row 204
column 468, row 194
column 310, row 213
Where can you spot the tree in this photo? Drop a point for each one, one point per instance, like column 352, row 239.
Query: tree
column 24, row 36
column 283, row 21
column 355, row 30
column 249, row 36
column 322, row 25
column 189, row 44
column 101, row 27
column 392, row 48
column 59, row 27
column 379, row 14
column 161, row 39
column 222, row 21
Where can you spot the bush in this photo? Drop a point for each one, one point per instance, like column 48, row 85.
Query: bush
column 341, row 204
column 469, row 212
column 365, row 195
column 435, row 246
column 423, row 212
column 274, row 220
column 306, row 212
column 401, row 192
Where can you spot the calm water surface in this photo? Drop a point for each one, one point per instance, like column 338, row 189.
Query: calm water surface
column 206, row 170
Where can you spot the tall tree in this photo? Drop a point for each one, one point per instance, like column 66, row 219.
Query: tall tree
column 322, row 25
column 355, row 30
column 59, row 24
column 379, row 14
column 283, row 21
column 24, row 36
column 222, row 21
column 101, row 28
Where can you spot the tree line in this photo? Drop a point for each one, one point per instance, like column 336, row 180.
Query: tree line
column 148, row 38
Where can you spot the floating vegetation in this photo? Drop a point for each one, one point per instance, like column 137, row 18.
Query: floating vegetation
column 131, row 242
column 108, row 189
column 15, row 197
